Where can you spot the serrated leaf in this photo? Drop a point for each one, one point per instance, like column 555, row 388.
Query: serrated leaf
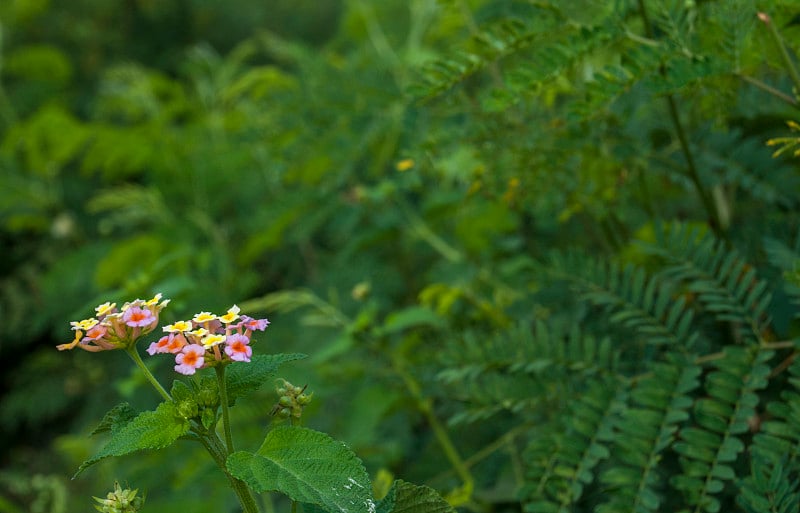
column 406, row 497
column 117, row 416
column 308, row 466
column 149, row 430
column 245, row 377
column 181, row 392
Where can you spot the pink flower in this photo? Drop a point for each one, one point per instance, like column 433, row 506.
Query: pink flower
column 254, row 324
column 172, row 343
column 159, row 347
column 135, row 316
column 237, row 347
column 190, row 359
column 95, row 333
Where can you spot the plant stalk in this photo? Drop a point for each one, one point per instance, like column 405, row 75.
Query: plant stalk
column 213, row 445
column 134, row 354
column 424, row 405
column 787, row 59
column 223, row 399
column 694, row 175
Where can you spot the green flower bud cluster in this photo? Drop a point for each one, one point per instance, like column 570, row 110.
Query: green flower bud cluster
column 291, row 400
column 200, row 402
column 120, row 501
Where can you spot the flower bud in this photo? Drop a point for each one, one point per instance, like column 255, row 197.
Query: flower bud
column 187, row 408
column 120, row 501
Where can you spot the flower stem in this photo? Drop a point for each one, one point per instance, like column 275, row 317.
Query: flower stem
column 134, row 354
column 213, row 445
column 223, row 399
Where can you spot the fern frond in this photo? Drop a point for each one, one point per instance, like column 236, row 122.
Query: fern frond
column 546, row 62
column 742, row 163
column 711, row 447
column 635, row 300
column 521, row 369
column 493, row 42
column 615, row 80
column 561, row 462
column 774, row 488
column 722, row 281
column 788, row 261
column 659, row 404
column 735, row 20
column 779, row 436
column 675, row 19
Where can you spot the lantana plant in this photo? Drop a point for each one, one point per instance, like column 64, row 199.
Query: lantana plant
column 306, row 465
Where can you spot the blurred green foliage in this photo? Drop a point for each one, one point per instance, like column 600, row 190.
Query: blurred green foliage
column 389, row 181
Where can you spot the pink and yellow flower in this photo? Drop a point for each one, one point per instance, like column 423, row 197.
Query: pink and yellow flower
column 114, row 329
column 138, row 317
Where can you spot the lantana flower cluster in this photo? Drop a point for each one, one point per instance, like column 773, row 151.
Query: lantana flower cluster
column 113, row 328
column 209, row 339
column 206, row 340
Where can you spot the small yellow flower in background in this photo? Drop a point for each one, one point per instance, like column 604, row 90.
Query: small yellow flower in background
column 213, row 340
column 404, row 165
column 179, row 326
column 232, row 315
column 204, row 317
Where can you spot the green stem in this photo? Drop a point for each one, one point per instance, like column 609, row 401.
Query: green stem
column 769, row 89
column 223, row 399
column 439, row 431
column 787, row 59
column 134, row 354
column 694, row 175
column 214, row 447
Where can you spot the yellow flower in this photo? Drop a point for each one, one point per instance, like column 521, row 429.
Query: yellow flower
column 155, row 300
column 180, row 326
column 213, row 340
column 204, row 317
column 404, row 165
column 232, row 315
column 105, row 309
column 85, row 324
column 199, row 332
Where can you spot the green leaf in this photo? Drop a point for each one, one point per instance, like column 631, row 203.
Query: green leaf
column 308, row 466
column 117, row 416
column 149, row 430
column 245, row 377
column 406, row 497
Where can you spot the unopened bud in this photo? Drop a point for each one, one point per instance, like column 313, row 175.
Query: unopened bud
column 120, row 501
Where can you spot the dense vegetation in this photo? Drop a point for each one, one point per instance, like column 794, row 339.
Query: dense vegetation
column 543, row 255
